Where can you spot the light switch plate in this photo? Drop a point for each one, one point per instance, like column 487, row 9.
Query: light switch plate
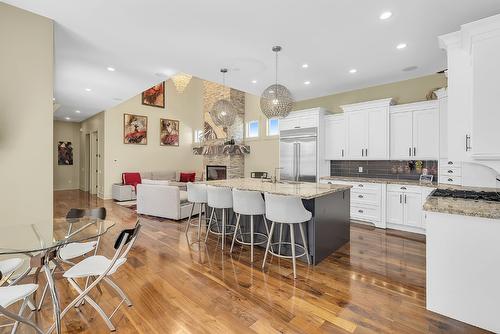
column 360, row 169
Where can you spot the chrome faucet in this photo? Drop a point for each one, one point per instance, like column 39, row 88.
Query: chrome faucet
column 274, row 179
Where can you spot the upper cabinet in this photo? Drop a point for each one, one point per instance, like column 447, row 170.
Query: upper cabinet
column 335, row 141
column 367, row 126
column 415, row 131
column 473, row 91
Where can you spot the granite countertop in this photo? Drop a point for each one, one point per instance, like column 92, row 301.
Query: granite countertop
column 464, row 207
column 305, row 190
column 379, row 180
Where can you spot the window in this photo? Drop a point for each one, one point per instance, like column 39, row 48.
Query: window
column 253, row 129
column 273, row 127
column 198, row 136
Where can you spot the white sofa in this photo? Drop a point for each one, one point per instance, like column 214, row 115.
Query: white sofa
column 159, row 199
column 121, row 192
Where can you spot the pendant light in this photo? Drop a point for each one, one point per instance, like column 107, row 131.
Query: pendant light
column 223, row 112
column 276, row 101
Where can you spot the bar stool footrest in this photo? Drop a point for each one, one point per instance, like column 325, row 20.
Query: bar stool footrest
column 288, row 250
column 241, row 236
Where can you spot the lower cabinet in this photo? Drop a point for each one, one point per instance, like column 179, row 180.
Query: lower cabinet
column 404, row 208
column 388, row 206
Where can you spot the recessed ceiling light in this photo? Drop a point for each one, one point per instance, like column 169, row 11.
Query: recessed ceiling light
column 410, row 68
column 353, row 70
column 401, row 46
column 305, row 65
column 53, row 99
column 67, row 118
column 111, row 69
column 118, row 99
column 88, row 89
column 307, row 82
column 254, row 81
column 77, row 111
column 385, row 15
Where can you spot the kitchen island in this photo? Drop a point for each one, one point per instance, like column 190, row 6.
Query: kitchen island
column 329, row 228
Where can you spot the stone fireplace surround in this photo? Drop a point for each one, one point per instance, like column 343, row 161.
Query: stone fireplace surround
column 216, row 136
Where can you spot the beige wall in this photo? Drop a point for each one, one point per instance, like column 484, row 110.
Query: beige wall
column 119, row 157
column 407, row 91
column 93, row 124
column 66, row 176
column 264, row 154
column 264, row 150
column 26, row 117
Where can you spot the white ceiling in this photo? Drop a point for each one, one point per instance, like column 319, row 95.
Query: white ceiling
column 143, row 38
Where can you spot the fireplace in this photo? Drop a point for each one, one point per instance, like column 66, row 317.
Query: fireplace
column 215, row 172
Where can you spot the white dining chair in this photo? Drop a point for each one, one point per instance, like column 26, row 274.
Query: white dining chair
column 286, row 210
column 75, row 250
column 101, row 268
column 8, row 267
column 13, row 293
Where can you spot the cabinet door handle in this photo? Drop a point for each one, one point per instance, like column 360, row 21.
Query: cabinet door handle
column 451, row 180
column 409, row 151
column 362, row 152
column 450, row 171
column 414, row 151
column 360, row 185
column 467, row 143
column 360, row 196
column 405, row 199
column 360, row 211
column 450, row 162
column 400, row 198
column 403, row 188
column 366, row 152
column 342, row 152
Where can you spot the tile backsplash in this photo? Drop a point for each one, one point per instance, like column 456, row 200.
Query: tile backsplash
column 404, row 169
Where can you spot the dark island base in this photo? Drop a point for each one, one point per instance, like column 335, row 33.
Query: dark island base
column 328, row 230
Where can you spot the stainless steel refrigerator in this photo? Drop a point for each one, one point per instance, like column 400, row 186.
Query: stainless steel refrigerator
column 298, row 152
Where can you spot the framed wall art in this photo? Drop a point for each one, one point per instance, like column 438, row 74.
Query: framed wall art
column 135, row 129
column 154, row 96
column 169, row 132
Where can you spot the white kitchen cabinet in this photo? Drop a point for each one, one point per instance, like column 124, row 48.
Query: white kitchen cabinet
column 335, row 137
column 414, row 131
column 413, row 209
column 395, row 214
column 473, row 91
column 401, row 135
column 404, row 207
column 367, row 126
column 357, row 130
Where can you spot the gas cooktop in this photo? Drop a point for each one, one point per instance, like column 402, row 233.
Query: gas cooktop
column 467, row 194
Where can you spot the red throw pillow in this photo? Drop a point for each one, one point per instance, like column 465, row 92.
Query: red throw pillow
column 187, row 177
column 132, row 179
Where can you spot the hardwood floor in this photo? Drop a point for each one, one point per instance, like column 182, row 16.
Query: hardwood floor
column 375, row 284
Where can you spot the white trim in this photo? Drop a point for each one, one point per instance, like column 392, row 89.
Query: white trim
column 422, row 105
column 441, row 93
column 368, row 104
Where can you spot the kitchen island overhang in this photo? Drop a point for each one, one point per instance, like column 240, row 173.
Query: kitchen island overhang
column 329, row 228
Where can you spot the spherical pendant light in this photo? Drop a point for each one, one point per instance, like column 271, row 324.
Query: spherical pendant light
column 276, row 101
column 222, row 112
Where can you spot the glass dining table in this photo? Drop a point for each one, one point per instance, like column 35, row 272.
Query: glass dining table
column 27, row 240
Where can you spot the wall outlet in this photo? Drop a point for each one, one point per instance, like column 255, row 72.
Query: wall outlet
column 360, row 169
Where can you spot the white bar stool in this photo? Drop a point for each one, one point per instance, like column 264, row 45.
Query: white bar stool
column 287, row 210
column 219, row 198
column 248, row 203
column 197, row 194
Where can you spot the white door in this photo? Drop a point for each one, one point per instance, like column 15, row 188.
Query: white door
column 413, row 209
column 377, row 146
column 357, row 131
column 401, row 140
column 426, row 134
column 335, row 138
column 395, row 212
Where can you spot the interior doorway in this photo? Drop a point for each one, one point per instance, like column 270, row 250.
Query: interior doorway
column 93, row 166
